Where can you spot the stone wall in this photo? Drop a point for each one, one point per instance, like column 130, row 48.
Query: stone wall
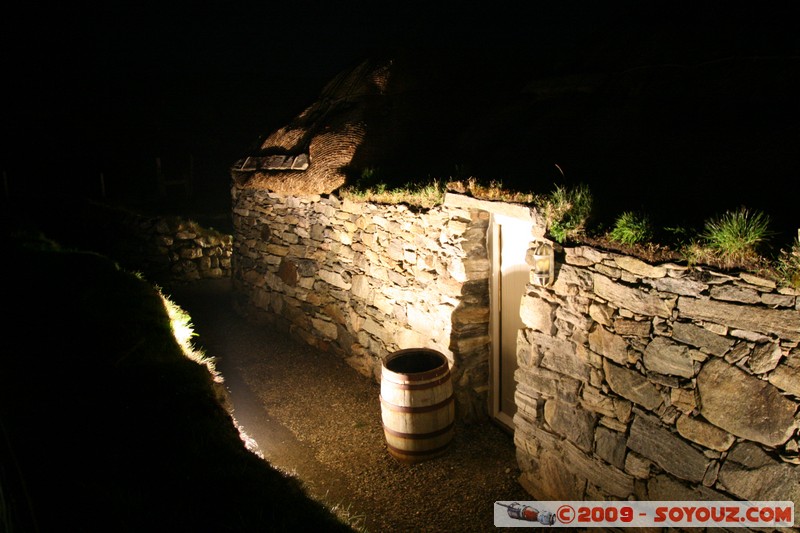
column 658, row 383
column 192, row 252
column 651, row 382
column 166, row 249
column 364, row 280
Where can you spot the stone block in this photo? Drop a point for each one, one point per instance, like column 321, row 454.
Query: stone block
column 610, row 271
column 701, row 338
column 610, row 446
column 537, row 314
column 632, row 299
column 639, row 268
column 777, row 300
column 632, row 385
column 786, row 378
column 683, row 399
column 572, row 422
column 601, row 313
column 335, row 278
column 667, row 357
column 782, row 322
column 568, row 276
column 608, row 344
column 704, row 434
column 759, row 412
column 613, row 424
column 764, row 357
column 734, row 293
column 608, row 478
column 593, row 399
column 650, row 439
column 680, row 286
column 558, row 355
column 551, row 480
column 287, row 271
column 750, row 474
column 664, row 488
column 757, row 280
column 636, row 328
column 637, row 466
column 739, row 351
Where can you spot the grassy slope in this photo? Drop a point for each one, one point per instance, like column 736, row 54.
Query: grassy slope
column 106, row 426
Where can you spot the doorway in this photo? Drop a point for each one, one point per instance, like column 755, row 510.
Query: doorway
column 509, row 239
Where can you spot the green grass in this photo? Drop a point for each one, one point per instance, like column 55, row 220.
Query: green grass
column 733, row 238
column 494, row 190
column 567, row 211
column 788, row 264
column 425, row 195
column 631, row 228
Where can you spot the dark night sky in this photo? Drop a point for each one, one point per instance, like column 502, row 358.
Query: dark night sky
column 108, row 89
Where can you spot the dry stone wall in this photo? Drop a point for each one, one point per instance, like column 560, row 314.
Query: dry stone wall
column 174, row 250
column 166, row 249
column 186, row 250
column 364, row 280
column 658, row 382
column 635, row 381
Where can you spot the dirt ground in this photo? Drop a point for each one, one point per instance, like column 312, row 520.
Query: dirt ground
column 310, row 415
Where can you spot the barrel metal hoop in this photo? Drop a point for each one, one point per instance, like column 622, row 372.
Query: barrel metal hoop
column 433, row 451
column 420, row 386
column 420, row 409
column 415, row 436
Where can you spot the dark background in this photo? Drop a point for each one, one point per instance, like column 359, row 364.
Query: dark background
column 107, row 89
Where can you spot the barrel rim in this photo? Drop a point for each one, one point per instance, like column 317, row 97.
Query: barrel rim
column 440, row 370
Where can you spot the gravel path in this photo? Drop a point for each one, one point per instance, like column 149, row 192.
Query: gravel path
column 311, row 415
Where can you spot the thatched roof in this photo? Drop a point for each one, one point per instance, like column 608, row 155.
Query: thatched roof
column 398, row 114
column 310, row 155
column 679, row 130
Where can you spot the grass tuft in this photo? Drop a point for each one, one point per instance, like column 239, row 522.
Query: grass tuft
column 788, row 264
column 183, row 330
column 147, row 432
column 733, row 238
column 631, row 228
column 493, row 191
column 567, row 211
column 424, row 195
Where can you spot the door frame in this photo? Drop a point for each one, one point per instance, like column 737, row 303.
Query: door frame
column 494, row 247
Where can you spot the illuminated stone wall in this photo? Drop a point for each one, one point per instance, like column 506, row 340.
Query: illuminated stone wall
column 166, row 249
column 643, row 381
column 364, row 280
column 658, row 383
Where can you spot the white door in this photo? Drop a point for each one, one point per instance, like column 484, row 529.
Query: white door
column 510, row 239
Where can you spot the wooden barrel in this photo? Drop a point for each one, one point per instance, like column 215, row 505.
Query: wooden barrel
column 417, row 404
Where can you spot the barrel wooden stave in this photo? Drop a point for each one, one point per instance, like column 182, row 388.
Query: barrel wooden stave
column 417, row 407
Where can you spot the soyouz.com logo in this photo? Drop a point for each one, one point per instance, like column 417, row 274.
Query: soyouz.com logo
column 684, row 514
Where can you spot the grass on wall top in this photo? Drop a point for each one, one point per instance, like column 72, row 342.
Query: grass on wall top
column 734, row 240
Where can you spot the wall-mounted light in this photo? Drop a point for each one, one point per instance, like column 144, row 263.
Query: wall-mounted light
column 543, row 272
